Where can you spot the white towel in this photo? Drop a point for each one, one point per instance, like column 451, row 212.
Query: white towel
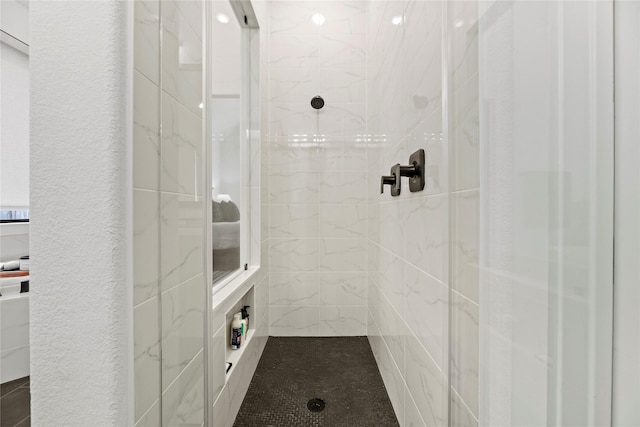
column 10, row 265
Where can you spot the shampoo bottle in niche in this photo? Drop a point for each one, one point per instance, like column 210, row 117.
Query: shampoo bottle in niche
column 243, row 322
column 245, row 316
column 236, row 332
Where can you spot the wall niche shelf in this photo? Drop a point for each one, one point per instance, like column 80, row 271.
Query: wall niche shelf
column 235, row 356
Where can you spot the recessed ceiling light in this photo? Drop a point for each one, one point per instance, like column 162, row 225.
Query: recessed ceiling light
column 459, row 23
column 318, row 19
column 201, row 106
column 396, row 20
column 222, row 18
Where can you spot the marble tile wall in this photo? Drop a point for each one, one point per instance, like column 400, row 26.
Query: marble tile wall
column 168, row 214
column 423, row 247
column 317, row 198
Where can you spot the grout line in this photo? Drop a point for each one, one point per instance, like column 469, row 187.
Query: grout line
column 464, row 403
column 464, row 297
column 413, row 333
column 148, row 410
column 179, row 284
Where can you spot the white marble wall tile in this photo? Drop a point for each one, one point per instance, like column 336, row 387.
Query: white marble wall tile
column 426, row 242
column 152, row 417
column 293, row 84
column 460, row 414
column 343, row 321
column 240, row 378
column 373, row 215
column 294, row 288
column 218, row 366
column 293, row 255
column 182, row 326
column 412, row 416
column 373, row 334
column 465, row 125
column 181, row 59
column 465, row 243
column 391, row 276
column 463, row 41
column 392, row 226
column 343, row 187
column 192, row 13
column 292, row 17
column 181, row 148
column 264, row 232
column 343, row 17
column 351, row 154
column 183, row 399
column 146, row 132
column 429, row 136
column 343, row 221
column 393, row 381
column 146, row 244
column 293, row 321
column 343, row 254
column 295, row 154
column 394, row 330
column 340, row 119
column 293, row 187
column 293, row 221
column 343, row 86
column 293, row 118
column 293, row 51
column 146, row 352
column 464, row 349
column 422, row 60
column 343, row 288
column 427, row 313
column 220, row 409
column 181, row 228
column 426, row 383
column 375, row 14
column 373, row 299
column 146, row 38
column 343, row 51
column 262, row 292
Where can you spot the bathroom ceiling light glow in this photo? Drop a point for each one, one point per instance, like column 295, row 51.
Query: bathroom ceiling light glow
column 222, row 18
column 201, row 106
column 459, row 23
column 318, row 18
column 396, row 20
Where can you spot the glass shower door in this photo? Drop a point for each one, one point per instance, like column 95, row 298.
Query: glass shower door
column 531, row 213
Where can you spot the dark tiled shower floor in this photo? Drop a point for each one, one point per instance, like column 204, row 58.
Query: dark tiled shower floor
column 15, row 397
column 341, row 371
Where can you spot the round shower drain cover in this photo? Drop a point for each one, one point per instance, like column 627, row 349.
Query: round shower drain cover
column 315, row 405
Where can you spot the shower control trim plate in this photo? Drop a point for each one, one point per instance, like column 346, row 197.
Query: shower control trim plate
column 416, row 179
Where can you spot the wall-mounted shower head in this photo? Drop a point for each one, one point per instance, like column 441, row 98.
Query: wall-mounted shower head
column 317, row 102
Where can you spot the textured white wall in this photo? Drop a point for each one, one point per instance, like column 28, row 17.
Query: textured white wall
column 81, row 285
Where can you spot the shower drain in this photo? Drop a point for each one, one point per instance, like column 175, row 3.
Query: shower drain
column 315, row 405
